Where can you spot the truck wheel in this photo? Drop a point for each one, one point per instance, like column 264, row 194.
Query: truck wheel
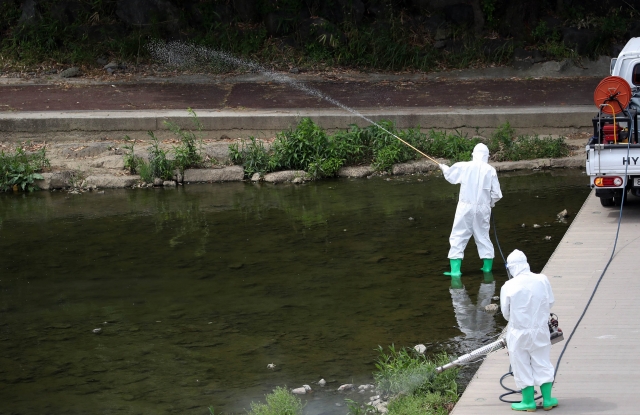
column 617, row 199
column 606, row 201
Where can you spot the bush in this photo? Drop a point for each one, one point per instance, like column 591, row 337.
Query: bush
column 407, row 372
column 158, row 166
column 20, row 170
column 505, row 146
column 279, row 402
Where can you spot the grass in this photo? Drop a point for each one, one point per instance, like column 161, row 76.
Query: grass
column 410, row 381
column 19, row 170
column 188, row 154
column 279, row 402
column 308, row 147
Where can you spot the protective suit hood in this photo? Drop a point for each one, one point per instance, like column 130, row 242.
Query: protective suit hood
column 517, row 263
column 480, row 153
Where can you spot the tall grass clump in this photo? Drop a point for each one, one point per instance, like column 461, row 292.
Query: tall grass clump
column 279, row 402
column 505, row 145
column 413, row 384
column 19, row 170
column 187, row 154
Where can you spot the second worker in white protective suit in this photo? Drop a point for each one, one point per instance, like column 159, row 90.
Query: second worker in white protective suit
column 526, row 301
column 479, row 191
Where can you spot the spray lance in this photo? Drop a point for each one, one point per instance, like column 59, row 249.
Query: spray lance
column 555, row 334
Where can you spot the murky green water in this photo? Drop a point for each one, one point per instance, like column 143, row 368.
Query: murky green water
column 197, row 289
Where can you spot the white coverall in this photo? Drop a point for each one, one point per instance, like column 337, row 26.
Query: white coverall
column 525, row 301
column 479, row 191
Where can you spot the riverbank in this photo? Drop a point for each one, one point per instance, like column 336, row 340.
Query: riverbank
column 100, row 164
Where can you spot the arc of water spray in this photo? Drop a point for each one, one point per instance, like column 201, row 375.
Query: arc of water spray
column 184, row 54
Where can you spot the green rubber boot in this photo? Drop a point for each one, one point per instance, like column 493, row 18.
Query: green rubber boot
column 456, row 263
column 456, row 283
column 487, row 277
column 548, row 403
column 528, row 403
column 487, row 265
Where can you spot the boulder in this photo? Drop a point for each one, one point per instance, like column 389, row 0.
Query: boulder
column 416, row 166
column 111, row 182
column 355, row 171
column 70, row 73
column 225, row 174
column 284, row 176
column 55, row 180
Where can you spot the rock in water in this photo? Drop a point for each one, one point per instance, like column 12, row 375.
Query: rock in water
column 563, row 214
column 271, row 366
column 420, row 348
column 299, row 391
column 345, row 387
column 97, row 331
column 322, row 382
column 535, row 225
column 491, row 308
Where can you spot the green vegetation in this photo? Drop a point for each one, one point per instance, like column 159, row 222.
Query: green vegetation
column 186, row 155
column 382, row 35
column 279, row 402
column 308, row 147
column 19, row 170
column 504, row 145
column 410, row 380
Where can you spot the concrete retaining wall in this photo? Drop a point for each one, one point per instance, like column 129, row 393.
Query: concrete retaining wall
column 263, row 123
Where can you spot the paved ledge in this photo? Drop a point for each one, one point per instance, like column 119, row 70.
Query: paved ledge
column 266, row 123
column 599, row 371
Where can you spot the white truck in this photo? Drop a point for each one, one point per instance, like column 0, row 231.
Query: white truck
column 613, row 152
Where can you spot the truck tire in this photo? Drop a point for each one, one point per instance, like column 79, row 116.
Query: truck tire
column 606, row 201
column 617, row 199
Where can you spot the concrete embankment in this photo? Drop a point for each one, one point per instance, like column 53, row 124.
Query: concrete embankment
column 68, row 126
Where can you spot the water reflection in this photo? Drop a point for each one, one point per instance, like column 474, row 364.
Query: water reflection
column 474, row 322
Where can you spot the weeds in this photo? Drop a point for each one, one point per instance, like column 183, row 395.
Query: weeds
column 504, row 145
column 279, row 402
column 159, row 165
column 19, row 170
column 406, row 371
column 131, row 161
column 189, row 152
column 307, row 147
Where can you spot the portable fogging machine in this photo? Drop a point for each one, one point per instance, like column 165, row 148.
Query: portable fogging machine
column 554, row 332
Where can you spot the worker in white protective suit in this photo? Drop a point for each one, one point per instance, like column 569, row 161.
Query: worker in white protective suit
column 526, row 301
column 479, row 191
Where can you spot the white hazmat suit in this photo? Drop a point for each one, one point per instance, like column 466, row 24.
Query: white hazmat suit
column 526, row 301
column 479, row 191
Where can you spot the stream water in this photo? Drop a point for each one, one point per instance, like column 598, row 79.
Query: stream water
column 197, row 289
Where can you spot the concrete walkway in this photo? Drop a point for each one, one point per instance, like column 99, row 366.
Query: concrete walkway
column 600, row 370
column 239, row 107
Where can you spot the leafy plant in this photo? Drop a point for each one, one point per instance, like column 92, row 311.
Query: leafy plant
column 20, row 170
column 131, row 161
column 406, row 371
column 159, row 165
column 189, row 152
column 279, row 402
column 505, row 146
column 356, row 409
column 252, row 154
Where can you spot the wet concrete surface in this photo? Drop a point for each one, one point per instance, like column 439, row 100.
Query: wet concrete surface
column 270, row 95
